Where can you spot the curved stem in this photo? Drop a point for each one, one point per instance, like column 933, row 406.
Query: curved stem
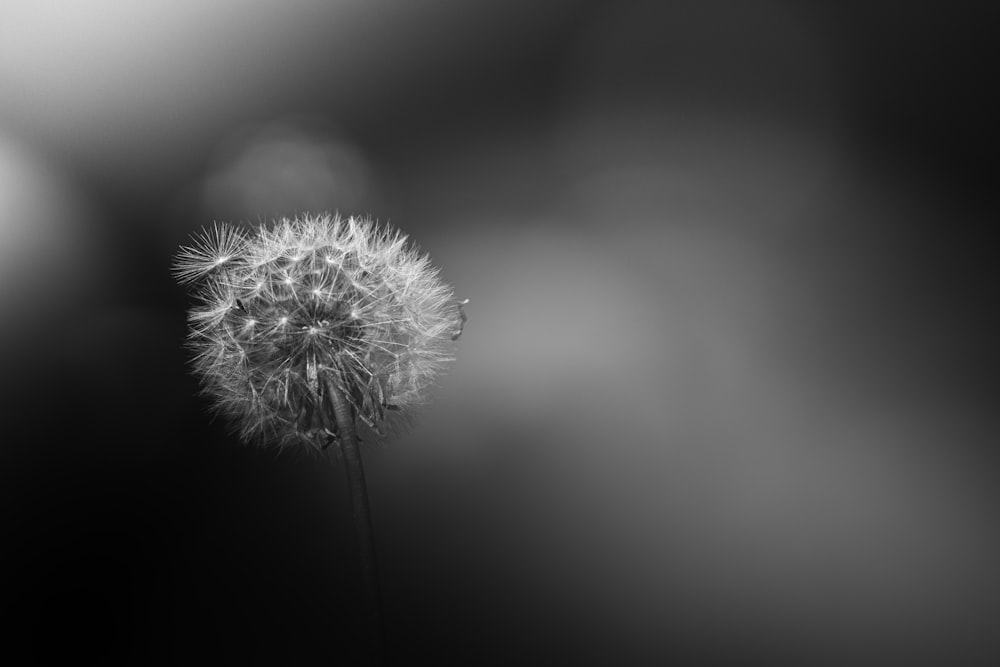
column 360, row 509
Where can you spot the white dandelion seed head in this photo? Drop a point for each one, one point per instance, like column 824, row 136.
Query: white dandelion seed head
column 317, row 297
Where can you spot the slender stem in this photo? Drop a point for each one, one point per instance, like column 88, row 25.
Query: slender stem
column 360, row 509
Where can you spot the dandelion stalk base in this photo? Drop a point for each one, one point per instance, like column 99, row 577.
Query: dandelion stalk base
column 360, row 509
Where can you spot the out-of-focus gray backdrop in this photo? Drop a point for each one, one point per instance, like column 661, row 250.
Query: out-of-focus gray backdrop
column 728, row 387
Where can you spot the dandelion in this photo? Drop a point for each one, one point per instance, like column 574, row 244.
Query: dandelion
column 309, row 331
column 312, row 311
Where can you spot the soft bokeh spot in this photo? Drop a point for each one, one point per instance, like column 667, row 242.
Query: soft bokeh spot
column 284, row 168
column 51, row 257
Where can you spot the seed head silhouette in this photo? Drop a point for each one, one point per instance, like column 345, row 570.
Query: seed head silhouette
column 305, row 317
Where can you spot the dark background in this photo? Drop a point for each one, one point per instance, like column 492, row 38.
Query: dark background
column 728, row 388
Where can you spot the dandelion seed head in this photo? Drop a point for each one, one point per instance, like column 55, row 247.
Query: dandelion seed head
column 311, row 298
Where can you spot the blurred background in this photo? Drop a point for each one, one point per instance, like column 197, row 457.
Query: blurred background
column 728, row 388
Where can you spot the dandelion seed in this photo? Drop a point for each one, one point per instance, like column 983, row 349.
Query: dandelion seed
column 210, row 251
